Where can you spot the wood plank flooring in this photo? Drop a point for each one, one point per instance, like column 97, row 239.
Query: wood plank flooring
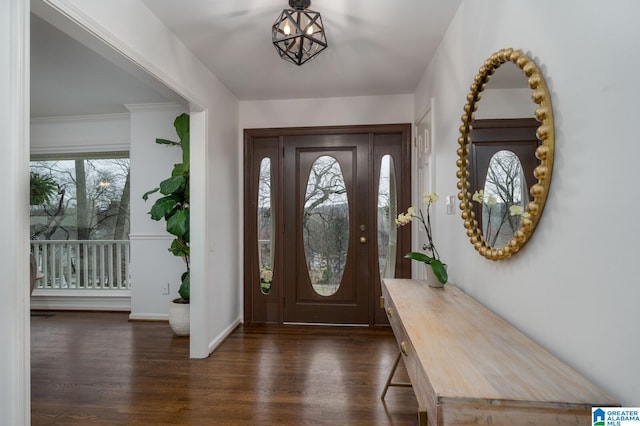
column 93, row 368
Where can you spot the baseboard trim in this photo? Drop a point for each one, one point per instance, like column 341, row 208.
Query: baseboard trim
column 213, row 345
column 149, row 317
column 78, row 302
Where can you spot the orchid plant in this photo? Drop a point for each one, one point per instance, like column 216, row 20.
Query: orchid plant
column 403, row 219
column 493, row 231
column 266, row 277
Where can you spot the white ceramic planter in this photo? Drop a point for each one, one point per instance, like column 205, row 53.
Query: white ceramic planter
column 432, row 280
column 179, row 314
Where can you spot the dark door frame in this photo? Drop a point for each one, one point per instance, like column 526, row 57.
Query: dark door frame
column 261, row 143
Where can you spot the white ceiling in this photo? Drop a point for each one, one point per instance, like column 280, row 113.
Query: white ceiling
column 69, row 79
column 376, row 47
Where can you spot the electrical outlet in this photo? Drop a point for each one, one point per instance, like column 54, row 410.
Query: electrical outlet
column 166, row 289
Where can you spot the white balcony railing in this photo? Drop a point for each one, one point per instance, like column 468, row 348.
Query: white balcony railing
column 88, row 264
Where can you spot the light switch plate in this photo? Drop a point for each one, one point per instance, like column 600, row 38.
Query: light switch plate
column 451, row 204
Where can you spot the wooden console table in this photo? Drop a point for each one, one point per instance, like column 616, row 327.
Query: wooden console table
column 468, row 366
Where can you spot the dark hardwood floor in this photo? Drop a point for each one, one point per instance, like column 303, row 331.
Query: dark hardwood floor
column 99, row 368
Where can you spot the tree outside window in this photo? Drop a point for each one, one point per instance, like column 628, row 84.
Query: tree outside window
column 92, row 199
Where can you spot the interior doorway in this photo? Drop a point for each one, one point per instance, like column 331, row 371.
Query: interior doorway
column 320, row 209
column 423, row 159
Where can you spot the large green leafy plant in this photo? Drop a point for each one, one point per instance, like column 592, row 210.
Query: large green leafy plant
column 173, row 206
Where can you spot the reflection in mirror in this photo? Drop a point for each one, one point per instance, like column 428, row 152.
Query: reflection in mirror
column 387, row 212
column 503, row 189
column 506, row 95
column 488, row 138
column 325, row 225
column 500, row 131
column 265, row 226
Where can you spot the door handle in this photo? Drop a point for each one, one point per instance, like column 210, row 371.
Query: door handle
column 363, row 240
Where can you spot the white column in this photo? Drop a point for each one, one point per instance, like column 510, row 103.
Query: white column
column 14, row 216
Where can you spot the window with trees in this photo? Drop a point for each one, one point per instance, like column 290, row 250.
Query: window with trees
column 88, row 197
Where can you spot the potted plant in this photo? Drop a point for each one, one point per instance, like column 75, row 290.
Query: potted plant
column 42, row 189
column 266, row 278
column 504, row 213
column 173, row 207
column 433, row 262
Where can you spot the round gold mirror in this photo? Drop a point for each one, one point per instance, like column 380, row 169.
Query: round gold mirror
column 505, row 164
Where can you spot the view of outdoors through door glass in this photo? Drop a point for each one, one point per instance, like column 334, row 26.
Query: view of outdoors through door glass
column 387, row 213
column 265, row 226
column 326, row 225
column 80, row 232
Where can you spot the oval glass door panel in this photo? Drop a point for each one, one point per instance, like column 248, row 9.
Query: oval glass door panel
column 325, row 225
column 505, row 189
column 387, row 212
column 265, row 226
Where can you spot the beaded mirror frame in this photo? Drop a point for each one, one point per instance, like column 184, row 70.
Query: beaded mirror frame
column 544, row 153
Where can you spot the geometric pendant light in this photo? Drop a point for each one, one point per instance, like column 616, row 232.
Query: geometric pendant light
column 298, row 34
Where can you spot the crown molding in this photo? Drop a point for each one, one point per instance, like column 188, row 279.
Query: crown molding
column 154, row 107
column 122, row 116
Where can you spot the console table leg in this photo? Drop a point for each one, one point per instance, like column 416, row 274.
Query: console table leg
column 390, row 378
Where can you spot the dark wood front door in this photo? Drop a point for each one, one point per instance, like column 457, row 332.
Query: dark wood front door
column 324, row 215
column 326, row 238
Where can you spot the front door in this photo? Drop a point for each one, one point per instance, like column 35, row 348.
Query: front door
column 325, row 230
column 326, row 237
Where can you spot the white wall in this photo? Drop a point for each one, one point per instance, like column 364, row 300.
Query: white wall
column 153, row 267
column 14, row 215
column 326, row 112
column 574, row 287
column 130, row 28
column 506, row 103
